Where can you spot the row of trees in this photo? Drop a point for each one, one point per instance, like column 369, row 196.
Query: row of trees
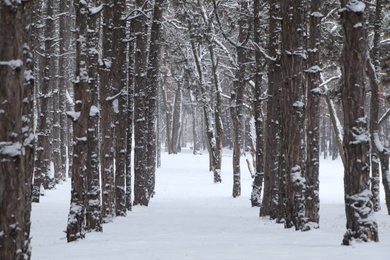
column 90, row 79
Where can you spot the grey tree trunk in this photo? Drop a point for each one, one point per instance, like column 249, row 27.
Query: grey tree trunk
column 257, row 184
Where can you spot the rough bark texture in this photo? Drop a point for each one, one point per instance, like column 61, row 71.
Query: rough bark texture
column 93, row 215
column 293, row 56
column 312, row 202
column 257, row 184
column 372, row 72
column 358, row 205
column 16, row 149
column 237, row 95
column 119, row 69
column 270, row 202
column 107, row 114
column 141, row 191
column 76, row 219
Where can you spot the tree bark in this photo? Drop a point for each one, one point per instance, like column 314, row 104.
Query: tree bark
column 312, row 200
column 293, row 94
column 272, row 138
column 358, row 205
column 16, row 131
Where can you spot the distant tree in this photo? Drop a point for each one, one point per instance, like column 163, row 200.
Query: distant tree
column 16, row 131
column 358, row 205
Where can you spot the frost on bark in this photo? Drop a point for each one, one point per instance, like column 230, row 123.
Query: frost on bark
column 76, row 219
column 44, row 150
column 357, row 195
column 141, row 191
column 119, row 69
column 237, row 95
column 107, row 113
column 373, row 68
column 257, row 184
column 272, row 137
column 312, row 202
column 16, row 138
column 93, row 215
column 293, row 111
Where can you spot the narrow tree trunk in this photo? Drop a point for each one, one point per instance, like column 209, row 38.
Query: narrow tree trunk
column 92, row 177
column 372, row 71
column 107, row 114
column 141, row 191
column 152, row 86
column 358, row 205
column 76, row 219
column 312, row 202
column 272, row 143
column 176, row 120
column 293, row 110
column 119, row 69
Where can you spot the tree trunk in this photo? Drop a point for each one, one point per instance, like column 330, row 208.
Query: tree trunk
column 76, row 219
column 107, row 114
column 372, row 73
column 293, row 55
column 119, row 70
column 257, row 184
column 358, row 205
column 92, row 177
column 270, row 202
column 312, row 202
column 176, row 120
column 152, row 85
column 141, row 191
column 16, row 131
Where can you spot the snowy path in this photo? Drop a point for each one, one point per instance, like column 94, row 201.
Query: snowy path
column 192, row 218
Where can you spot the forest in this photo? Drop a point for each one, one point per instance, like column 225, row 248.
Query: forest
column 94, row 92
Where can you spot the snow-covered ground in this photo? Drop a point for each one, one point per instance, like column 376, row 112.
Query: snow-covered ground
column 190, row 217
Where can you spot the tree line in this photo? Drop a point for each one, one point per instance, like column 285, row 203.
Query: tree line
column 89, row 86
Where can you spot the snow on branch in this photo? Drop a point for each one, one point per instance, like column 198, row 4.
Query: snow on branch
column 354, row 6
column 95, row 10
column 260, row 50
column 14, row 64
column 10, row 149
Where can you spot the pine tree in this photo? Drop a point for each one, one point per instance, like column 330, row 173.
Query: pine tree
column 16, row 132
column 358, row 205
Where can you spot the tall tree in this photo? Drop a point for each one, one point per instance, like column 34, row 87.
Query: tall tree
column 313, row 119
column 141, row 191
column 258, row 112
column 16, row 149
column 358, row 205
column 107, row 112
column 237, row 94
column 119, row 77
column 293, row 94
column 76, row 218
column 92, row 177
column 272, row 138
